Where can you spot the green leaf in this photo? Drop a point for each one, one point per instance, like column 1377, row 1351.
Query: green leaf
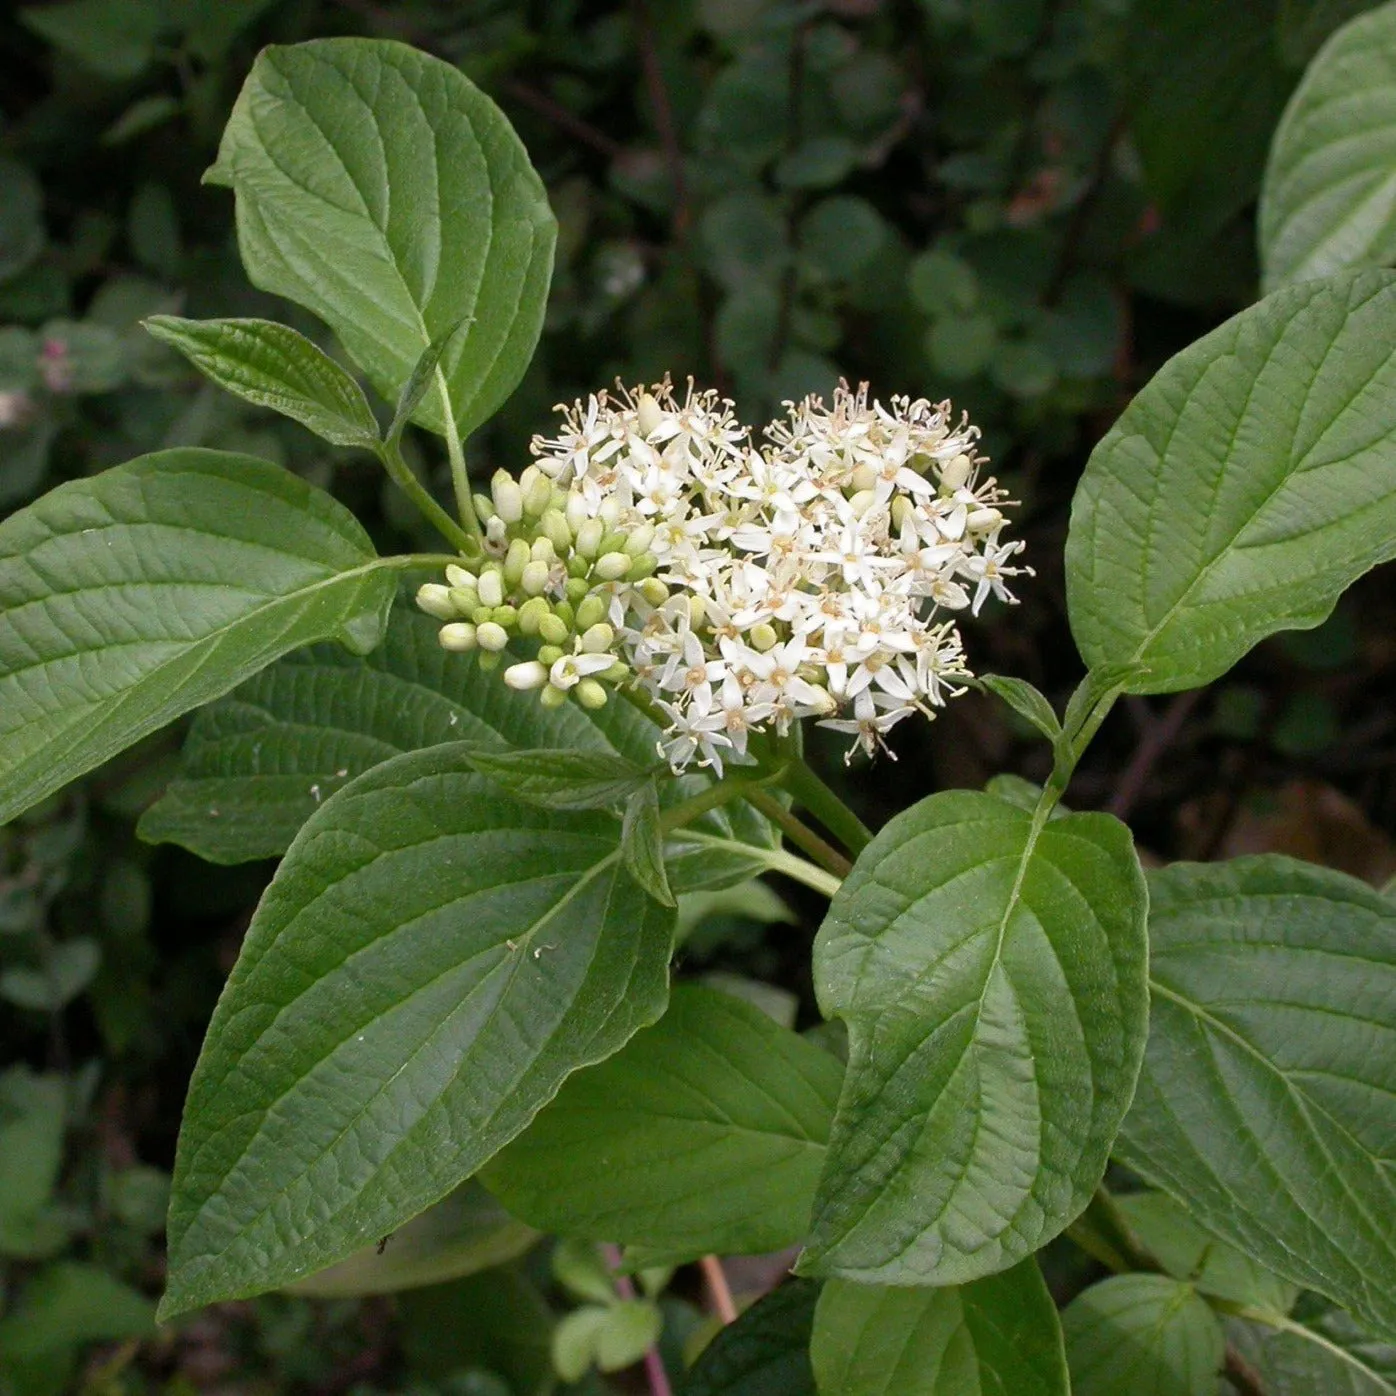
column 1328, row 202
column 462, row 1234
column 422, row 378
column 274, row 366
column 380, row 189
column 111, row 37
column 1249, row 483
column 642, row 843
column 496, row 1321
column 627, row 1329
column 997, row 1334
column 429, row 964
column 68, row 967
column 1142, row 1335
column 705, row 1134
column 765, row 1352
column 66, row 1304
column 1026, row 701
column 1326, row 1352
column 21, row 218
column 1187, row 1252
column 129, row 598
column 33, row 1111
column 259, row 763
column 991, row 968
column 557, row 778
column 1264, row 1105
column 575, row 1339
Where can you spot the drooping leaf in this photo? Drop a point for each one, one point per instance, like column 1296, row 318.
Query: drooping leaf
column 429, row 964
column 1328, row 203
column 128, row 598
column 33, row 1112
column 990, row 965
column 1264, row 1105
column 461, row 1235
column 765, row 1352
column 704, row 1134
column 1249, row 483
column 1026, row 701
column 259, row 763
column 1142, row 1335
column 999, row 1334
column 642, row 843
column 277, row 367
column 380, row 189
column 1187, row 1252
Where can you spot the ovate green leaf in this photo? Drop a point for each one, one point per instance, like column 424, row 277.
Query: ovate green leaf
column 556, row 778
column 1142, row 1335
column 379, row 188
column 274, row 366
column 642, row 843
column 999, row 1334
column 1328, row 203
column 1322, row 1349
column 129, row 598
column 430, row 963
column 1249, row 483
column 705, row 1134
column 991, row 968
column 461, row 1235
column 765, row 1352
column 1265, row 1103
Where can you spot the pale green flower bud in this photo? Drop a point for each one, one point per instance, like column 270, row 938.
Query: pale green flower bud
column 489, row 661
column 697, row 610
column 484, row 506
column 515, row 560
column 576, row 512
column 526, row 676
column 551, row 697
column 558, row 531
column 505, row 615
column 578, row 567
column 543, row 550
column 491, row 636
column 612, row 541
column 459, row 637
column 552, row 628
column 459, row 576
column 533, row 580
column 508, row 497
column 589, row 537
column 590, row 609
column 642, row 567
column 591, row 694
column 598, row 638
column 565, row 612
column 617, row 673
column 577, row 589
column 653, row 590
column 537, row 491
column 481, row 614
column 649, row 415
column 955, row 473
column 611, row 567
column 609, row 512
column 491, row 587
column 639, row 539
column 983, row 520
column 532, row 614
column 864, row 478
column 861, row 502
column 902, row 508
column 550, row 654
column 466, row 600
column 435, row 600
column 763, row 636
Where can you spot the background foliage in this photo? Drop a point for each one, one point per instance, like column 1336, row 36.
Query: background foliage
column 1025, row 204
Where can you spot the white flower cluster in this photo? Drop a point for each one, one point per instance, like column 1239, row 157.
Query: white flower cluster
column 741, row 587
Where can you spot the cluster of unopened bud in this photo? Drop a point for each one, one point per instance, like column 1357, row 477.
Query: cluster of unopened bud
column 549, row 574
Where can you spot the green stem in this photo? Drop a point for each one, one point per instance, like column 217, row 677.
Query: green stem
column 460, row 477
column 401, row 475
column 810, row 791
column 799, row 833
column 772, row 860
column 721, row 792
